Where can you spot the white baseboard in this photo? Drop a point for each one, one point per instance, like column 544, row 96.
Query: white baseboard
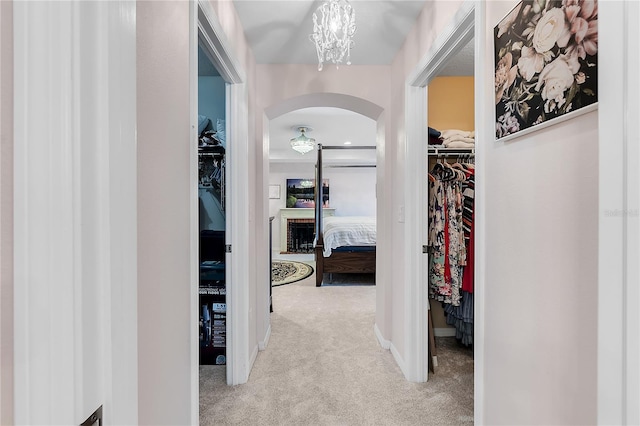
column 444, row 332
column 399, row 360
column 252, row 359
column 386, row 344
column 262, row 345
column 383, row 342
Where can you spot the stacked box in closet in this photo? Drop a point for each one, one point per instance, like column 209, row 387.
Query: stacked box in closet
column 451, row 189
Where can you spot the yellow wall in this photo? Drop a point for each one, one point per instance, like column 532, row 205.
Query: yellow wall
column 450, row 103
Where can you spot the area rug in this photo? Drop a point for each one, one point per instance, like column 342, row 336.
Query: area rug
column 287, row 272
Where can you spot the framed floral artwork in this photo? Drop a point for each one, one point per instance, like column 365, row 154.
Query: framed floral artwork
column 546, row 64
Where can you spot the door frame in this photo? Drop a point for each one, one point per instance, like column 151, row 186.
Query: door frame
column 458, row 33
column 206, row 26
column 619, row 205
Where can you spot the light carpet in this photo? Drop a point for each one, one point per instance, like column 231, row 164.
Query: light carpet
column 324, row 366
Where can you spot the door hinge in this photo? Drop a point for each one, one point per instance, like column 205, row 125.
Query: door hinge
column 425, row 249
column 227, row 248
column 94, row 419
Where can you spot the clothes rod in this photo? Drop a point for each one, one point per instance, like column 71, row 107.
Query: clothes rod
column 347, row 147
column 337, row 166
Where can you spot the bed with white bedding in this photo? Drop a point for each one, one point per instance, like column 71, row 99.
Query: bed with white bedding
column 346, row 245
column 342, row 244
column 339, row 231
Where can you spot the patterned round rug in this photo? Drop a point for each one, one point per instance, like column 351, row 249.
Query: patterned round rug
column 287, row 272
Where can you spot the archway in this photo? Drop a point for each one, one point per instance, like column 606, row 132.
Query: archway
column 376, row 113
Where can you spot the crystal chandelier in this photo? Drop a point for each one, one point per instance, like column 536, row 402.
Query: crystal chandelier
column 334, row 24
column 302, row 143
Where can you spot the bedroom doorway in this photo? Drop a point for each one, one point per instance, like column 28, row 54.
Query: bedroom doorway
column 349, row 175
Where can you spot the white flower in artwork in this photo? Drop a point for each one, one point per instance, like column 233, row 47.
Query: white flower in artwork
column 554, row 80
column 549, row 29
column 530, row 63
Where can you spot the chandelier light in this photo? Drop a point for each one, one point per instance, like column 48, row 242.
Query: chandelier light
column 302, row 143
column 334, row 24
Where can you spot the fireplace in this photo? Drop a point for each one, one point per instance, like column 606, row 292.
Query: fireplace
column 303, row 221
column 300, row 234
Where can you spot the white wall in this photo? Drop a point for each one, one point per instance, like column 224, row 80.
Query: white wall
column 352, row 191
column 541, row 199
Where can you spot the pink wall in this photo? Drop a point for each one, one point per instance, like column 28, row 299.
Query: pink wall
column 163, row 212
column 163, row 118
column 541, row 248
column 6, row 213
column 541, row 268
column 433, row 18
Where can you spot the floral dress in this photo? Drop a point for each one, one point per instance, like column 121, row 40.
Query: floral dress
column 446, row 235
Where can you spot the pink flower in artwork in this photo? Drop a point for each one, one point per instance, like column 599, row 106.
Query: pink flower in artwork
column 582, row 16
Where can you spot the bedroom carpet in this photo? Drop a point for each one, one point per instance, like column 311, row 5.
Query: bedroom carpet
column 324, row 366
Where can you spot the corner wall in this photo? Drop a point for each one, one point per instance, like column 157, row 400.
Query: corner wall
column 163, row 213
column 164, row 325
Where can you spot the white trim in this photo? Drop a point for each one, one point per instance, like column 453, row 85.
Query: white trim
column 544, row 125
column 632, row 12
column 384, row 343
column 611, row 236
column 619, row 228
column 457, row 33
column 444, row 332
column 262, row 345
column 221, row 51
column 75, row 285
column 46, row 276
column 194, row 220
column 450, row 40
column 416, row 294
column 399, row 360
column 217, row 45
column 483, row 132
column 237, row 234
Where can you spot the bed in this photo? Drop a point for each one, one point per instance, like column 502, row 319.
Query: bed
column 343, row 244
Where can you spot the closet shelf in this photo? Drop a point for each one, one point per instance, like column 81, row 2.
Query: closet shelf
column 439, row 149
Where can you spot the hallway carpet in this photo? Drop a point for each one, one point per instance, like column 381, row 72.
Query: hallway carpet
column 324, row 366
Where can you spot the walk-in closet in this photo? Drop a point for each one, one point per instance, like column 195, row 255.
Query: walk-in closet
column 212, row 201
column 450, row 216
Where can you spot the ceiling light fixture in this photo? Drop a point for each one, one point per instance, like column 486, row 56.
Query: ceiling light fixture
column 302, row 143
column 334, row 24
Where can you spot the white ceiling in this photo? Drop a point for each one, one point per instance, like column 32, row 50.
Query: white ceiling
column 278, row 32
column 331, row 126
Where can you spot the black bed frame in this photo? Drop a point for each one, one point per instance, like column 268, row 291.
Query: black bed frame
column 344, row 261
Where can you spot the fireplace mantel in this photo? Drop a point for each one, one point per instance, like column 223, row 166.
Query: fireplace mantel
column 297, row 213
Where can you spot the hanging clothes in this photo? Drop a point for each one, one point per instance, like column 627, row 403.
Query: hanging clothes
column 451, row 204
column 446, row 234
